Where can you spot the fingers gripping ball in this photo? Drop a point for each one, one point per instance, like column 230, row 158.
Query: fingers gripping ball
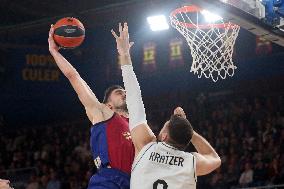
column 69, row 32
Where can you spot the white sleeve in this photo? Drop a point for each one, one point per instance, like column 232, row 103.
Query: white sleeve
column 134, row 100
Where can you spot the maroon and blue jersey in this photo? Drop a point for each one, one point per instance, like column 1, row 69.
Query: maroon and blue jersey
column 113, row 152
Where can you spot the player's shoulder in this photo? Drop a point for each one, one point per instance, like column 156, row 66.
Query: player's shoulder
column 148, row 146
column 174, row 149
column 142, row 153
column 99, row 113
column 105, row 118
column 145, row 149
column 189, row 155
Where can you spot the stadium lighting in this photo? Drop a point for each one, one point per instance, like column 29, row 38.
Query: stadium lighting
column 158, row 23
column 210, row 17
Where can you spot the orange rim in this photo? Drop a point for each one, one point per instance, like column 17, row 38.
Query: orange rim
column 193, row 9
column 186, row 9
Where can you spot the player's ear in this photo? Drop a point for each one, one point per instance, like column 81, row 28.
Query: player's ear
column 109, row 105
column 164, row 137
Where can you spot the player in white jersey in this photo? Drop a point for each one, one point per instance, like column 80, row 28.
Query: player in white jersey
column 161, row 164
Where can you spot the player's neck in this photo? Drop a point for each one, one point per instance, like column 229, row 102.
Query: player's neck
column 173, row 144
column 122, row 112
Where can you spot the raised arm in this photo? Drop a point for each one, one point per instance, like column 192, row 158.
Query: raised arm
column 207, row 160
column 140, row 131
column 95, row 110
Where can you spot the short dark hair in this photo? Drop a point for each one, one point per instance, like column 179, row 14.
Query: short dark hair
column 109, row 90
column 180, row 131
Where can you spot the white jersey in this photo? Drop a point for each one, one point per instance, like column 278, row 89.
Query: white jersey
column 161, row 166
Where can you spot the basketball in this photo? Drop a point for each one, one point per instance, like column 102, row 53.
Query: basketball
column 69, row 32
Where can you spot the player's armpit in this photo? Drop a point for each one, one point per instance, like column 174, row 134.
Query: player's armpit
column 97, row 115
column 205, row 164
column 142, row 135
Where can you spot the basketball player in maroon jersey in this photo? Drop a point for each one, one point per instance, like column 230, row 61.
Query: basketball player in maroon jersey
column 111, row 144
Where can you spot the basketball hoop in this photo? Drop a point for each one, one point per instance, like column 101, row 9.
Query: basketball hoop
column 211, row 44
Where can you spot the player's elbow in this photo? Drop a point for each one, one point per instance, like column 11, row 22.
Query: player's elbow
column 218, row 162
column 207, row 167
column 215, row 164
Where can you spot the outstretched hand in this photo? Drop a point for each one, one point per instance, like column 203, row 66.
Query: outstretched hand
column 122, row 40
column 180, row 112
column 52, row 45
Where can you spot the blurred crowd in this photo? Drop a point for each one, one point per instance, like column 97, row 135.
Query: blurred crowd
column 58, row 157
column 247, row 132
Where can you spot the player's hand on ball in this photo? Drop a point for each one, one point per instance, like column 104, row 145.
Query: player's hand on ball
column 122, row 40
column 52, row 45
column 180, row 112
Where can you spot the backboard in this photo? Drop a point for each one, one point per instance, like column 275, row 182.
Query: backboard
column 264, row 18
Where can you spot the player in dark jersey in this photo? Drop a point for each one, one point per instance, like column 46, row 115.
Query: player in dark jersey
column 111, row 144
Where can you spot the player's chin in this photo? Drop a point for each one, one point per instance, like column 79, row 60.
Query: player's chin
column 123, row 106
column 124, row 103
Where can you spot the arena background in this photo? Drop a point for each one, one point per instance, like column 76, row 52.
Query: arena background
column 35, row 95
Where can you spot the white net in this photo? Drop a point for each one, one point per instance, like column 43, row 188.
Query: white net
column 211, row 44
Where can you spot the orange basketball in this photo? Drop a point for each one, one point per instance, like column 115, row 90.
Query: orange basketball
column 69, row 32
